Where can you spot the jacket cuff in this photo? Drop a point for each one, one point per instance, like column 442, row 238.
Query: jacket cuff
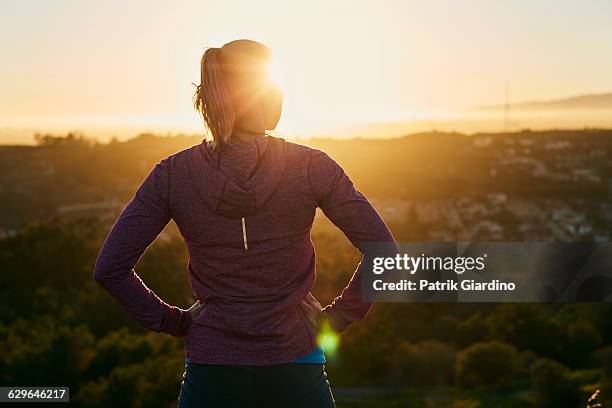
column 335, row 319
column 185, row 323
column 178, row 322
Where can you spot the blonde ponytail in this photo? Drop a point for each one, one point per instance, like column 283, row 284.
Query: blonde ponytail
column 212, row 98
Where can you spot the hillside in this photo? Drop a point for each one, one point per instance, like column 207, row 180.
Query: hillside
column 601, row 101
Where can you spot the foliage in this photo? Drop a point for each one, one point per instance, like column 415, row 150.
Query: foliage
column 487, row 363
column 58, row 327
column 553, row 386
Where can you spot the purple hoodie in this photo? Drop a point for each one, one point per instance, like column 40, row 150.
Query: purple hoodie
column 245, row 212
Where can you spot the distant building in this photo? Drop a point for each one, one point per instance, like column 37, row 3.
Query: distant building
column 7, row 232
column 558, row 145
column 482, row 141
column 588, row 175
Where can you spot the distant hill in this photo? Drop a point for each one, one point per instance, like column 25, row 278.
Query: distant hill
column 577, row 112
column 14, row 136
column 592, row 101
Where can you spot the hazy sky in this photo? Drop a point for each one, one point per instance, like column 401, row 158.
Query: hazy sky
column 115, row 63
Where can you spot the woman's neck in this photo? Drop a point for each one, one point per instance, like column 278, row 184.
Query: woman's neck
column 242, row 135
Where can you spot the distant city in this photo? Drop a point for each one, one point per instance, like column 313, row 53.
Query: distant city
column 525, row 186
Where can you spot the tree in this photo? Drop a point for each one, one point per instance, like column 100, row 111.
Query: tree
column 553, row 386
column 487, row 363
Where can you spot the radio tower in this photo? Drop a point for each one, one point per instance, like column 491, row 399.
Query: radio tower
column 506, row 108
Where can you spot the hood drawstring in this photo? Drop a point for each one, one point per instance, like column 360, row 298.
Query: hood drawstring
column 244, row 235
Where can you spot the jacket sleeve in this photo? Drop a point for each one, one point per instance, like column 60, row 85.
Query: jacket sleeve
column 144, row 217
column 352, row 213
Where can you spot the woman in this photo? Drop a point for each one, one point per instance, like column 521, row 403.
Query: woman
column 244, row 204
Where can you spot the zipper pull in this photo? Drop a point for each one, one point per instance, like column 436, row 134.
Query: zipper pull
column 244, row 235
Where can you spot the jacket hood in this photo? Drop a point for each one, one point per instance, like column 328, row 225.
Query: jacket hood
column 236, row 196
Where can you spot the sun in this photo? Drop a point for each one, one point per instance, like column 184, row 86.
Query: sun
column 276, row 74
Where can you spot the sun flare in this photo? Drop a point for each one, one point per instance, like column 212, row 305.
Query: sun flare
column 275, row 73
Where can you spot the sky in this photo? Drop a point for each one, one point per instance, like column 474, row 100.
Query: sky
column 119, row 64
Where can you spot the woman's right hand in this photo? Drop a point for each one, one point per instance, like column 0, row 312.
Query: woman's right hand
column 312, row 309
column 196, row 309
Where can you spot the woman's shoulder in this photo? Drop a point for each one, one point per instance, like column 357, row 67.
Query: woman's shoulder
column 185, row 153
column 179, row 160
column 307, row 153
column 297, row 154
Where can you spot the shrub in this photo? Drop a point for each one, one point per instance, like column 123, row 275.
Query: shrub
column 487, row 363
column 426, row 363
column 604, row 358
column 583, row 338
column 153, row 383
column 553, row 385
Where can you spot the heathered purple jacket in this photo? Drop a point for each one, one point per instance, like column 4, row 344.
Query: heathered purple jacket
column 245, row 212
